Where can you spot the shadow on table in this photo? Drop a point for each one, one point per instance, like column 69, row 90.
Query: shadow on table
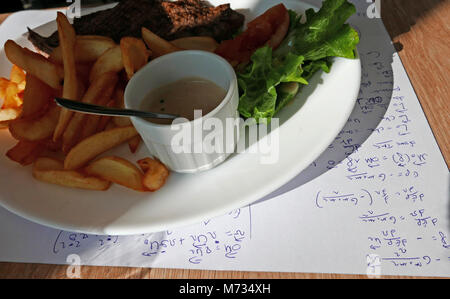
column 400, row 15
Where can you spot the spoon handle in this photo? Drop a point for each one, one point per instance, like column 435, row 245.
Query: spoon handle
column 102, row 110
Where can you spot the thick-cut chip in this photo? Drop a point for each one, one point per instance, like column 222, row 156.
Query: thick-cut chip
column 35, row 64
column 4, row 124
column 53, row 146
column 134, row 54
column 12, row 98
column 90, row 125
column 155, row 173
column 88, row 48
column 105, row 119
column 157, row 45
column 133, row 143
column 99, row 143
column 47, row 163
column 110, row 61
column 110, row 125
column 117, row 170
column 25, row 152
column 3, row 85
column 36, row 129
column 67, row 39
column 101, row 88
column 92, row 122
column 36, row 97
column 52, row 171
column 8, row 114
column 120, row 121
column 204, row 43
column 17, row 75
column 83, row 71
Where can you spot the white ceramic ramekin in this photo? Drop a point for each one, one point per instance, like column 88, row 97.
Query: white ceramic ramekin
column 163, row 141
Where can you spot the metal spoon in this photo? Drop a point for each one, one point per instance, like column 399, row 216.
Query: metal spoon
column 102, row 110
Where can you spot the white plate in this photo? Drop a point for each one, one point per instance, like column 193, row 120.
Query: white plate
column 308, row 126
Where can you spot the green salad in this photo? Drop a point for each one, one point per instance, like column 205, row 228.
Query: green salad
column 273, row 78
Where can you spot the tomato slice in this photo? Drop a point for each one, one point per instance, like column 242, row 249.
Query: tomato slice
column 270, row 28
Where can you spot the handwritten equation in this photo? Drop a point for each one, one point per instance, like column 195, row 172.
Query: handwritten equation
column 385, row 175
column 211, row 240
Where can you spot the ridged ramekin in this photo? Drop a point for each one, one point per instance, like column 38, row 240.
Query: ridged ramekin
column 159, row 139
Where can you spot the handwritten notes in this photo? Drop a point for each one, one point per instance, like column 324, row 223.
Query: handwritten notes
column 376, row 202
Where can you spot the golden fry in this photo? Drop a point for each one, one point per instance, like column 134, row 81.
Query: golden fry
column 110, row 61
column 117, row 170
column 101, row 88
column 36, row 97
column 67, row 39
column 134, row 54
column 12, row 99
column 88, row 48
column 17, row 75
column 133, row 143
column 51, row 171
column 35, row 64
column 3, row 85
column 94, row 145
column 25, row 152
column 36, row 129
column 156, row 44
column 8, row 114
column 204, row 43
column 155, row 173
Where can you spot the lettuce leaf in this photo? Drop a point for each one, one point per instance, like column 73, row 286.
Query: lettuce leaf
column 304, row 51
column 257, row 83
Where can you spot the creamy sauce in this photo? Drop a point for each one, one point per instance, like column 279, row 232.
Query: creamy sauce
column 182, row 97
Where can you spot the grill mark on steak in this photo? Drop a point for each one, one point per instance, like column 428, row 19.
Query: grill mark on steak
column 170, row 20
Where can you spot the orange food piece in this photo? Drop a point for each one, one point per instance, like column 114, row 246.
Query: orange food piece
column 269, row 29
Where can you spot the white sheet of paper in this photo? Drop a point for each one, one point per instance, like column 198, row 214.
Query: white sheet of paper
column 376, row 202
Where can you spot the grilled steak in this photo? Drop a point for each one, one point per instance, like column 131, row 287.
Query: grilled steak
column 168, row 19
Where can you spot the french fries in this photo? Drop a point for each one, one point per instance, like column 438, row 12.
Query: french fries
column 91, row 123
column 120, row 121
column 204, row 43
column 52, row 171
column 3, row 85
column 8, row 114
column 88, row 48
column 134, row 54
column 155, row 173
column 157, row 45
column 133, row 143
column 25, row 152
column 36, row 129
column 17, row 75
column 102, row 87
column 105, row 119
column 89, row 69
column 35, row 64
column 117, row 170
column 94, row 145
column 36, row 97
column 110, row 61
column 67, row 39
column 12, row 98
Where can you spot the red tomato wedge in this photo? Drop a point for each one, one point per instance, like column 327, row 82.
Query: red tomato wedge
column 270, row 28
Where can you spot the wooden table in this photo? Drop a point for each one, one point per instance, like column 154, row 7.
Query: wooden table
column 420, row 30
